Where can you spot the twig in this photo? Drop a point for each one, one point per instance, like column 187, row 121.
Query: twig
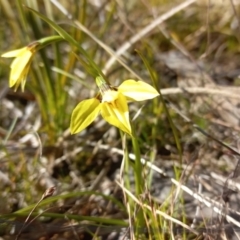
column 163, row 214
column 48, row 193
column 146, row 31
column 201, row 90
column 214, row 205
column 131, row 41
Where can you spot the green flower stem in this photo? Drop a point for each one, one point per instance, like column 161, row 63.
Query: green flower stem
column 138, row 165
column 139, row 184
column 43, row 42
column 126, row 161
column 101, row 82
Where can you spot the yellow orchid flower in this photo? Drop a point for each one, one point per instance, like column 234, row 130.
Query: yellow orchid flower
column 111, row 103
column 23, row 58
column 20, row 65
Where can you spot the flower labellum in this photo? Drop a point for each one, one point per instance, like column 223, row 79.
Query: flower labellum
column 111, row 103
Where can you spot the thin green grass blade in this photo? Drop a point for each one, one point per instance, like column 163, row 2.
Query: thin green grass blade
column 71, row 195
column 154, row 80
column 71, row 41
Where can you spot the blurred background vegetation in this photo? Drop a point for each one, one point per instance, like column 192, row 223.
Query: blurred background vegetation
column 192, row 55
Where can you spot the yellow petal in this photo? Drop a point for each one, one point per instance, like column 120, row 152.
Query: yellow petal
column 116, row 113
column 23, row 83
column 14, row 53
column 23, row 79
column 84, row 114
column 22, row 59
column 20, row 68
column 137, row 90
